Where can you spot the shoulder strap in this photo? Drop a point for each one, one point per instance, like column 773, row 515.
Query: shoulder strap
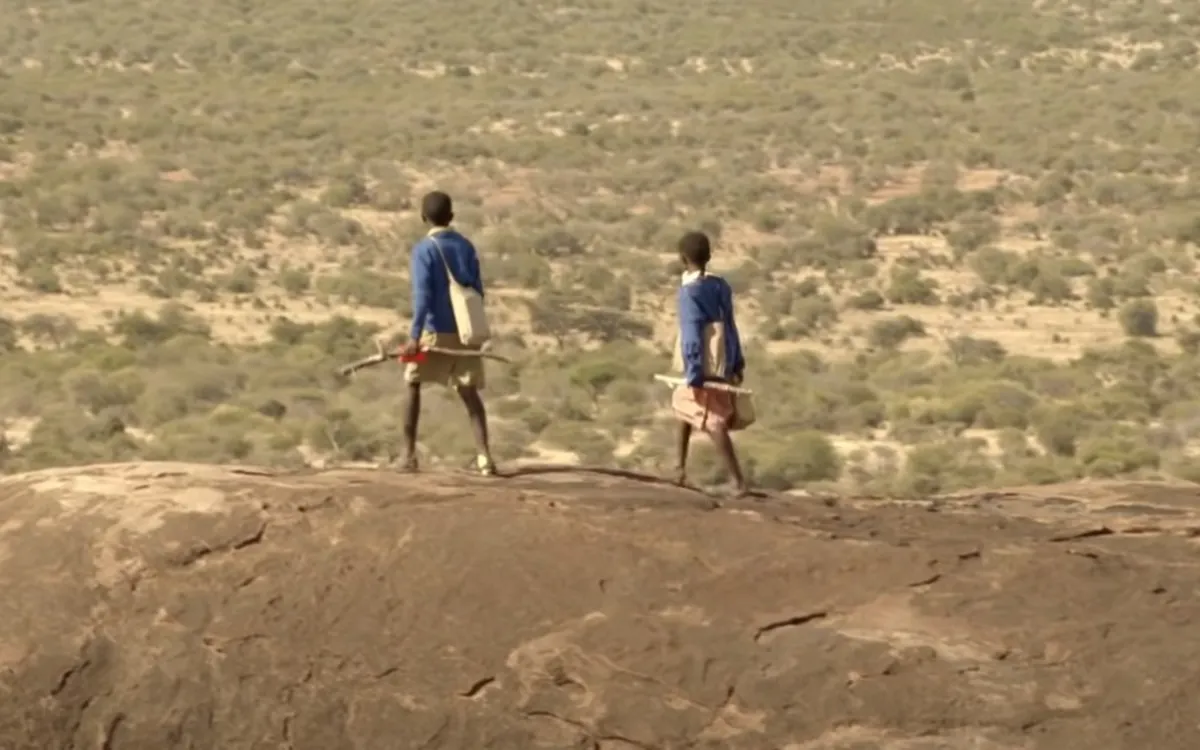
column 449, row 273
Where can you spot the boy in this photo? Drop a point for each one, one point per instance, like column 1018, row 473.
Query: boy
column 434, row 326
column 709, row 350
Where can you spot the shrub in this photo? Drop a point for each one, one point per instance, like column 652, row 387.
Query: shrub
column 945, row 466
column 137, row 329
column 892, row 332
column 1116, row 452
column 967, row 351
column 1139, row 318
column 1002, row 405
column 868, row 300
column 1101, row 293
column 295, row 281
column 908, row 287
column 42, row 279
column 805, row 456
column 243, row 279
column 992, row 265
column 8, row 335
column 1060, row 427
column 812, row 314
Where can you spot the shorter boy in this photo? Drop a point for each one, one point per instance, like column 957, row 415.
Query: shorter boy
column 709, row 350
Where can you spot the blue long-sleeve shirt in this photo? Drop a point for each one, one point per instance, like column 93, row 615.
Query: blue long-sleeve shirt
column 704, row 299
column 431, row 309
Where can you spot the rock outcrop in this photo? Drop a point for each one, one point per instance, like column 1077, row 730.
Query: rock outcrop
column 164, row 606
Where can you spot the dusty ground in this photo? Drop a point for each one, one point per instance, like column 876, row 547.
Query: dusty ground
column 165, row 606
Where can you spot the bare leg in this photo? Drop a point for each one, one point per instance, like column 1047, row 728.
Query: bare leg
column 683, row 438
column 724, row 446
column 478, row 416
column 412, row 416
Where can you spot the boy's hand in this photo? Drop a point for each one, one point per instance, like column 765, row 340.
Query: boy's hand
column 411, row 348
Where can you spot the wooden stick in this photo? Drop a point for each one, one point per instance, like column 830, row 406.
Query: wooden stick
column 380, row 357
column 711, row 385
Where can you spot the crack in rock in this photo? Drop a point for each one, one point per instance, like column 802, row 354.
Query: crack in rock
column 66, row 676
column 110, row 732
column 622, row 739
column 477, row 688
column 325, row 502
column 560, row 719
column 1086, row 534
column 194, row 555
column 595, row 740
column 790, row 622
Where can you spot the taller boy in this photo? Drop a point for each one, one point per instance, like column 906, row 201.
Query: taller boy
column 443, row 257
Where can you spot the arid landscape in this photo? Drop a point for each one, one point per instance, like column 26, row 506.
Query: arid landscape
column 963, row 237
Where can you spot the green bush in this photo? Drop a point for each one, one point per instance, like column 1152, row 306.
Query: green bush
column 8, row 335
column 1139, row 317
column 1115, row 453
column 890, row 333
column 806, row 456
column 908, row 287
column 938, row 467
column 967, row 351
column 867, row 300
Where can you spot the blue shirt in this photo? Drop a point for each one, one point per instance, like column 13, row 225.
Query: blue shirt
column 431, row 309
column 705, row 299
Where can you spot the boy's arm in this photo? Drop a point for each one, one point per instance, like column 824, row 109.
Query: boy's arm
column 420, row 269
column 476, row 272
column 739, row 364
column 691, row 338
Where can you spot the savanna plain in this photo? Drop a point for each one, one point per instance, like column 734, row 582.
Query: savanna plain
column 963, row 235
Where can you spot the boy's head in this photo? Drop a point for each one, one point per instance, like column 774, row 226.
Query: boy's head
column 695, row 250
column 437, row 209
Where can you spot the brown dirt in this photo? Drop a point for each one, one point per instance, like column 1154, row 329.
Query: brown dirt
column 165, row 606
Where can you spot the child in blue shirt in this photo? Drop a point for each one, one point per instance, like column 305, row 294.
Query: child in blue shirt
column 706, row 321
column 434, row 327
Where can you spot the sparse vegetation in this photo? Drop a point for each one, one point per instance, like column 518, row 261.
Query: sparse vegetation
column 203, row 211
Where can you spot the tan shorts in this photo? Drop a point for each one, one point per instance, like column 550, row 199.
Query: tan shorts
column 445, row 369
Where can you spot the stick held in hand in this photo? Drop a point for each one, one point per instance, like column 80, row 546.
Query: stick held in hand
column 382, row 356
column 711, row 385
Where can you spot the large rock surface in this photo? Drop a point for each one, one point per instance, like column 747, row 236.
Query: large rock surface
column 163, row 606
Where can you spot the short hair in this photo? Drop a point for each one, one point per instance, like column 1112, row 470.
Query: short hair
column 437, row 208
column 695, row 248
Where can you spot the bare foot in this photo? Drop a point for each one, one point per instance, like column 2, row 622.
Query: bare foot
column 409, row 464
column 485, row 465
